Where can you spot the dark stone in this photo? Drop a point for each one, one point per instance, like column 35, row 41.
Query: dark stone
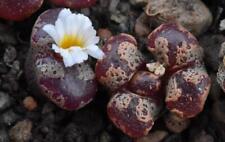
column 3, row 134
column 211, row 44
column 5, row 101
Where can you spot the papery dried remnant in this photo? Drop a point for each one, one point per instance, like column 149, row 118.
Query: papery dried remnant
column 156, row 68
column 192, row 14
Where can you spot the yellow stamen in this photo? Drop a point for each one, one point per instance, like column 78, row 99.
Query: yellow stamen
column 69, row 40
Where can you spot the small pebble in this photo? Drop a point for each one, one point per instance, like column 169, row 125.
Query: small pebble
column 104, row 34
column 215, row 90
column 139, row 2
column 118, row 17
column 3, row 68
column 73, row 134
column 30, row 103
column 10, row 83
column 85, row 11
column 47, row 108
column 105, row 137
column 194, row 15
column 174, row 138
column 222, row 25
column 7, row 36
column 113, row 5
column 21, row 132
column 10, row 54
column 3, row 135
column 141, row 27
column 15, row 68
column 218, row 111
column 124, row 7
column 89, row 121
column 156, row 136
column 212, row 43
column 9, row 117
column 104, row 3
column 125, row 139
column 203, row 137
column 4, row 101
column 222, row 49
column 176, row 124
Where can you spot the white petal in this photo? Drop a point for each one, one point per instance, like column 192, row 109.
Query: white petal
column 50, row 29
column 64, row 13
column 82, row 23
column 56, row 48
column 86, row 21
column 79, row 24
column 95, row 52
column 74, row 55
column 78, row 54
column 91, row 37
column 92, row 40
column 60, row 28
column 67, row 58
column 71, row 27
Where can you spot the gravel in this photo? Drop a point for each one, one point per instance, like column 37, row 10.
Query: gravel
column 9, row 117
column 48, row 123
column 10, row 54
column 3, row 134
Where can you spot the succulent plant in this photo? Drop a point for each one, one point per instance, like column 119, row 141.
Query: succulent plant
column 145, row 83
column 173, row 46
column 135, row 101
column 188, row 82
column 132, row 113
column 122, row 59
column 187, row 91
column 179, row 66
column 69, row 87
column 18, row 10
column 74, row 4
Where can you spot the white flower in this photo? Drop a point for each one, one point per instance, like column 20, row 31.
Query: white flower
column 75, row 38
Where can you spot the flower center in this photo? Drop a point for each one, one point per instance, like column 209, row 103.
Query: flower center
column 69, row 40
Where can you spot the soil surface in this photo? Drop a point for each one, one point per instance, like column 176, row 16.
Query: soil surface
column 26, row 117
